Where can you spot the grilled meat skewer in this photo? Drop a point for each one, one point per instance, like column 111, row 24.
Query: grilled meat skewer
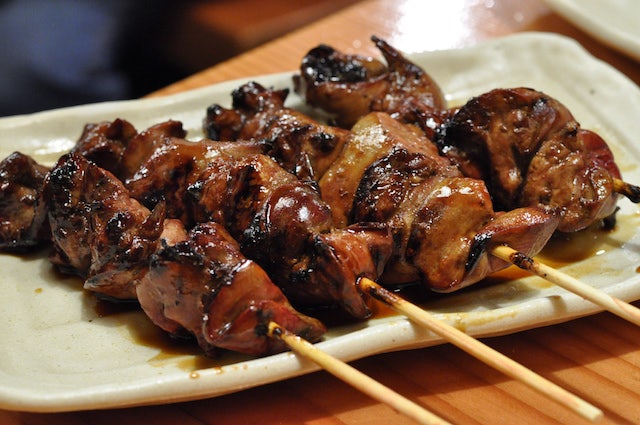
column 526, row 145
column 279, row 220
column 370, row 180
column 189, row 284
column 442, row 221
column 531, row 151
column 205, row 287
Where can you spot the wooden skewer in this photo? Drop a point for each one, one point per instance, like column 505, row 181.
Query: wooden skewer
column 627, row 189
column 481, row 351
column 354, row 377
column 596, row 296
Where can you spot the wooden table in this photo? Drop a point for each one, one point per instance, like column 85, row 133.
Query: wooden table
column 597, row 357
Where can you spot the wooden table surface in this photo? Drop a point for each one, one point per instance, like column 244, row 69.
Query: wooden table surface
column 596, row 358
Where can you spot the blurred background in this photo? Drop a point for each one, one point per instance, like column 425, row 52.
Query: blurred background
column 58, row 53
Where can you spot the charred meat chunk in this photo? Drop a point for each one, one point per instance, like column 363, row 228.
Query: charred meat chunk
column 350, row 86
column 99, row 232
column 532, row 152
column 205, row 287
column 390, row 174
column 22, row 210
column 283, row 224
column 170, row 173
column 299, row 143
column 374, row 137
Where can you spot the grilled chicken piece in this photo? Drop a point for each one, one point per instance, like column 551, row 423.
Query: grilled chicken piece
column 145, row 143
column 373, row 137
column 197, row 283
column 531, row 152
column 168, row 171
column 301, row 144
column 231, row 184
column 205, row 287
column 442, row 222
column 284, row 225
column 350, row 86
column 22, row 210
column 163, row 175
column 99, row 232
column 410, row 177
column 104, row 143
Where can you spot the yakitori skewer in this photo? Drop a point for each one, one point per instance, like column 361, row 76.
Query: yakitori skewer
column 596, row 296
column 481, row 351
column 354, row 377
column 182, row 272
column 342, row 179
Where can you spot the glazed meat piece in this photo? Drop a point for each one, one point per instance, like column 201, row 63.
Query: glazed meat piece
column 282, row 223
column 104, row 143
column 442, row 222
column 373, row 137
column 300, row 144
column 163, row 176
column 117, row 147
column 531, row 152
column 145, row 143
column 99, row 232
column 166, row 172
column 565, row 178
column 205, row 287
column 231, row 184
column 22, row 210
column 350, row 86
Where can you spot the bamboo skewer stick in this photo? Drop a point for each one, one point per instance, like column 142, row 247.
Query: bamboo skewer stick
column 354, row 377
column 629, row 190
column 481, row 351
column 596, row 296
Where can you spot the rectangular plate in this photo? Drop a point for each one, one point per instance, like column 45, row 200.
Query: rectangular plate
column 60, row 352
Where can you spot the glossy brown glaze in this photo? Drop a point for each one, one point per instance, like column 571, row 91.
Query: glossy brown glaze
column 98, row 231
column 23, row 223
column 205, row 287
column 531, row 152
column 300, row 144
column 349, row 86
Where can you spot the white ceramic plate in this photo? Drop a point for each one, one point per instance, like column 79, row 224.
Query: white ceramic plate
column 58, row 353
column 616, row 23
